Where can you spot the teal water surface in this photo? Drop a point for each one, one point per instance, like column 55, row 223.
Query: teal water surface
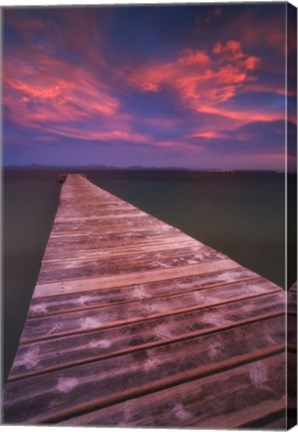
column 30, row 201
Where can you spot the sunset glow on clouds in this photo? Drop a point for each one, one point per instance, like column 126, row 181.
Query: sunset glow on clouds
column 199, row 79
column 184, row 86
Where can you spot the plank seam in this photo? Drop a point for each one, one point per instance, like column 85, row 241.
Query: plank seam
column 191, row 266
column 160, row 315
column 161, row 296
column 184, row 337
column 154, row 387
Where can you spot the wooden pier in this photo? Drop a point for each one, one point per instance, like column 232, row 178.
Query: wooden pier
column 134, row 323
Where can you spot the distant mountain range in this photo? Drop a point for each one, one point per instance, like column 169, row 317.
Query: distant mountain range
column 90, row 167
column 93, row 167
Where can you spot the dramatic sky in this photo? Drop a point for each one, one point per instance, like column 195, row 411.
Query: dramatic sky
column 187, row 86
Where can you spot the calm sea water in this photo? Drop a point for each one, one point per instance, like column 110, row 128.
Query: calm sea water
column 30, row 201
column 239, row 214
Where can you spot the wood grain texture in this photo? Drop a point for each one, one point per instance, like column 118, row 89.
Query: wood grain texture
column 47, row 305
column 249, row 392
column 139, row 277
column 128, row 250
column 95, row 344
column 84, row 387
column 69, row 270
column 134, row 323
column 45, row 327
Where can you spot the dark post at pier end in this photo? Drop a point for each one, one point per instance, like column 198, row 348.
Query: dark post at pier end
column 62, row 178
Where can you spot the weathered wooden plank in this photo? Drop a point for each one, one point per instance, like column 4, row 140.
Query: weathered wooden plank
column 248, row 392
column 101, row 212
column 119, row 314
column 94, row 201
column 108, row 214
column 115, row 257
column 103, row 317
column 95, row 211
column 71, row 391
column 76, row 254
column 40, row 356
column 103, row 225
column 116, row 229
column 125, row 294
column 105, row 282
column 53, row 271
column 112, row 240
column 126, row 223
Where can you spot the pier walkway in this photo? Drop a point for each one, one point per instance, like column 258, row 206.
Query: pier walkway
column 134, row 323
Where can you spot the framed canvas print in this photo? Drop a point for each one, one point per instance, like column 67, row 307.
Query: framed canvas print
column 150, row 212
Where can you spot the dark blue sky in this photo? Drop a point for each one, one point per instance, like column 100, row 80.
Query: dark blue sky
column 190, row 86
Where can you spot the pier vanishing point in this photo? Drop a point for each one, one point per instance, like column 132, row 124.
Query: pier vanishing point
column 134, row 323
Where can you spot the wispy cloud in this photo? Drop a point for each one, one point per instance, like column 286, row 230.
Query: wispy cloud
column 77, row 75
column 201, row 79
column 53, row 95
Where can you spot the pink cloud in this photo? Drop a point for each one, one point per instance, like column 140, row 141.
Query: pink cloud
column 51, row 95
column 200, row 78
column 205, row 82
column 243, row 117
column 210, row 134
column 190, row 57
column 231, row 48
column 58, row 90
column 91, row 134
column 263, row 87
